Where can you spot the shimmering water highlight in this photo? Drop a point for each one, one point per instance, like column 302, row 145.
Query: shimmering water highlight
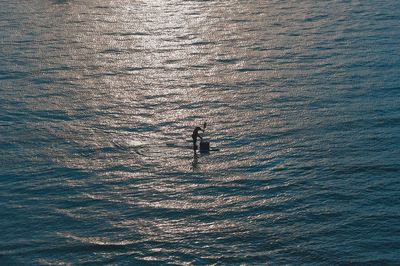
column 99, row 100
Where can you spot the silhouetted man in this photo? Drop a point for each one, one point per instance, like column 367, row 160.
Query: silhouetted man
column 195, row 135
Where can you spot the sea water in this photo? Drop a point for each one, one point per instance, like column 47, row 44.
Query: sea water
column 99, row 98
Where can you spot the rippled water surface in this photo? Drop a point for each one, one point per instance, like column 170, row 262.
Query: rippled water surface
column 99, row 100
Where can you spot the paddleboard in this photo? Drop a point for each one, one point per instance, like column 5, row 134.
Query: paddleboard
column 182, row 146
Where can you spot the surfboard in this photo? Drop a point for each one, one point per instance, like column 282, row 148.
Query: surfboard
column 183, row 146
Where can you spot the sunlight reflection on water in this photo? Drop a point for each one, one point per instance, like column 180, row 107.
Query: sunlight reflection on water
column 100, row 99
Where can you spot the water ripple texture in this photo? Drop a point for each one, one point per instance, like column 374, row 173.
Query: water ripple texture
column 98, row 101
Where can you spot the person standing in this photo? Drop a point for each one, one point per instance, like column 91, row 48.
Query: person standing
column 196, row 135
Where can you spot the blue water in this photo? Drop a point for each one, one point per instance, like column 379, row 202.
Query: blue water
column 99, row 100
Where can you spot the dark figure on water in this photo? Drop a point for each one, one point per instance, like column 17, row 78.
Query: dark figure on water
column 195, row 135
